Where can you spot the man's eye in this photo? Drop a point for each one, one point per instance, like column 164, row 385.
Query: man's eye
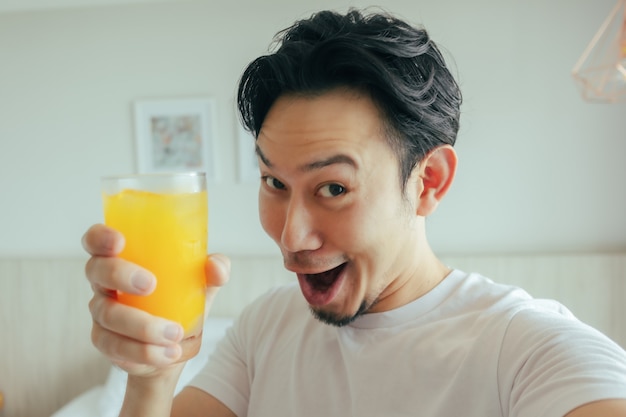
column 332, row 190
column 273, row 183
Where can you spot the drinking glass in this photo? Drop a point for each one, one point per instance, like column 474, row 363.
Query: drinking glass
column 164, row 220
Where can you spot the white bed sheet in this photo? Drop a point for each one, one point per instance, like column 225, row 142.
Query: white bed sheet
column 106, row 400
column 86, row 404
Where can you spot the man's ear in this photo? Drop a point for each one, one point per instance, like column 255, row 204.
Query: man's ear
column 436, row 173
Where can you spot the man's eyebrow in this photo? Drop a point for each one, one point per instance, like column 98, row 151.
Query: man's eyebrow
column 335, row 159
column 262, row 157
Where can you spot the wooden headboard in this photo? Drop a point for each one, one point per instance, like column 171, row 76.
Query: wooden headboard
column 46, row 356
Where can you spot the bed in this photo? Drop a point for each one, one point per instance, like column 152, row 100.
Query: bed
column 106, row 400
column 48, row 366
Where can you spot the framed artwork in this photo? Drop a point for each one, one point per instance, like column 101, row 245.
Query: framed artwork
column 176, row 135
column 248, row 162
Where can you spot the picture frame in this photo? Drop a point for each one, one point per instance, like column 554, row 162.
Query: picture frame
column 247, row 158
column 176, row 135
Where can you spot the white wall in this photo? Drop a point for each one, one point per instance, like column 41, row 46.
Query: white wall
column 540, row 170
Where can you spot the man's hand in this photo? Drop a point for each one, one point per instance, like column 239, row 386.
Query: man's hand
column 139, row 343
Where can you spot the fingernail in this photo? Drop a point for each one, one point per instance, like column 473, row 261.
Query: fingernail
column 142, row 280
column 173, row 332
column 172, row 352
column 224, row 262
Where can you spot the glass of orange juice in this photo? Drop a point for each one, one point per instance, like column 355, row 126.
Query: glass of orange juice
column 164, row 220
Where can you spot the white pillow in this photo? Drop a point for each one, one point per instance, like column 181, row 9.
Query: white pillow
column 113, row 395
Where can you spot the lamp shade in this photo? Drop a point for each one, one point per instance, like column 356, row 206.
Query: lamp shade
column 600, row 72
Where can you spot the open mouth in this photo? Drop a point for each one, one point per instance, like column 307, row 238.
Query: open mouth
column 320, row 289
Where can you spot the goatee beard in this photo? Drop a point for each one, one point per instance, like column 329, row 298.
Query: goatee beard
column 337, row 320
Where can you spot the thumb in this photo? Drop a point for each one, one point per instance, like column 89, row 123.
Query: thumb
column 217, row 274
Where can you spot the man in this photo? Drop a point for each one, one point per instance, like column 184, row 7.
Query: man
column 355, row 118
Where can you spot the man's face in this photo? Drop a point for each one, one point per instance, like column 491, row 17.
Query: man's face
column 330, row 197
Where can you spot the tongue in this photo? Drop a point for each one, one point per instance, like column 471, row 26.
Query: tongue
column 321, row 282
column 320, row 289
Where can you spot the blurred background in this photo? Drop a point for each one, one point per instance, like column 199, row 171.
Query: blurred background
column 541, row 170
column 539, row 199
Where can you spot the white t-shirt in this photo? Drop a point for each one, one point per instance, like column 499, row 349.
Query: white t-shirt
column 467, row 348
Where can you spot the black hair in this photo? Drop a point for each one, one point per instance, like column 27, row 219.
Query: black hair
column 397, row 65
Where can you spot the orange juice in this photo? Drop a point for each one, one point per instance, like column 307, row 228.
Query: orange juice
column 165, row 233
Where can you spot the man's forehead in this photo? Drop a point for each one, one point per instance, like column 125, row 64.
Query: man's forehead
column 313, row 132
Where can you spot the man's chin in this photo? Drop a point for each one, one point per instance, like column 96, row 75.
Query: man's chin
column 337, row 319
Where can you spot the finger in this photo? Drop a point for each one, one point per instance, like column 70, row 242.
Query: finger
column 122, row 349
column 110, row 273
column 102, row 240
column 218, row 273
column 217, row 270
column 109, row 314
column 133, row 368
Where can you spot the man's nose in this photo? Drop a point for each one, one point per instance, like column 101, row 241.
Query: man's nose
column 300, row 231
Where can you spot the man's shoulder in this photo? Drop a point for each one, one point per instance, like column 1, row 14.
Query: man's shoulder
column 494, row 305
